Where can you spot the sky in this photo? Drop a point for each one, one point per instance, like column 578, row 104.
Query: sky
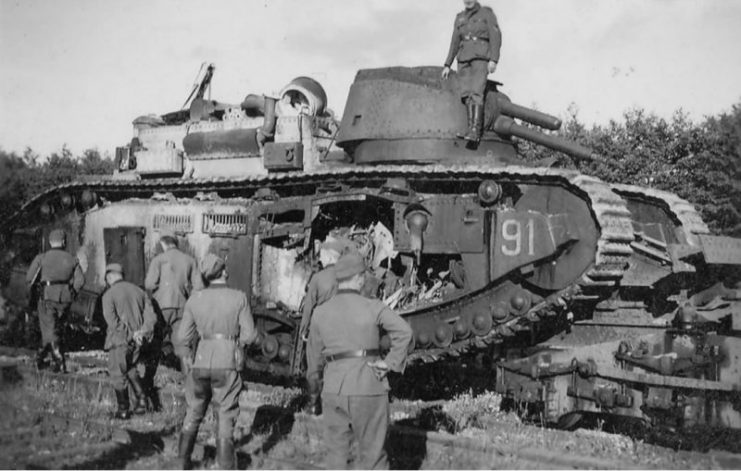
column 77, row 72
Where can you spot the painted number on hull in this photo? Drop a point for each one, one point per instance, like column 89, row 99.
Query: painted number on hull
column 514, row 238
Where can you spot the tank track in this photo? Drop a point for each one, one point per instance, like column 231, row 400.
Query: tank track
column 608, row 209
column 682, row 210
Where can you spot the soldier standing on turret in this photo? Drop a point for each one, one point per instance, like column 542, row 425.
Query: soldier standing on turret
column 61, row 278
column 475, row 44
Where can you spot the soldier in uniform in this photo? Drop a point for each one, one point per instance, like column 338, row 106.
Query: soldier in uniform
column 343, row 351
column 222, row 318
column 322, row 285
column 475, row 44
column 172, row 277
column 61, row 277
column 130, row 318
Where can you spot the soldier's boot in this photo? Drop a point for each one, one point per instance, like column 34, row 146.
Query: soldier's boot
column 185, row 448
column 41, row 356
column 122, row 399
column 477, row 122
column 469, row 115
column 140, row 400
column 225, row 457
column 59, row 365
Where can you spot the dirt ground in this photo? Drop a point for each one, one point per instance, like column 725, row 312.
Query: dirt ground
column 48, row 424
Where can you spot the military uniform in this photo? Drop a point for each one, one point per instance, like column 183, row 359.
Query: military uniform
column 61, row 277
column 322, row 286
column 172, row 277
column 127, row 309
column 343, row 337
column 221, row 317
column 476, row 40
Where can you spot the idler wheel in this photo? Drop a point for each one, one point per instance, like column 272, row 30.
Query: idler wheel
column 499, row 312
column 520, row 302
column 460, row 328
column 423, row 338
column 46, row 210
column 88, row 199
column 481, row 323
column 270, row 347
column 66, row 200
column 443, row 335
column 284, row 352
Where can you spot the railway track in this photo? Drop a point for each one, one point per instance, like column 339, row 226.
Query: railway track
column 280, row 423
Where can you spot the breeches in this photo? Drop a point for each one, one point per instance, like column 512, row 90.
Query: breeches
column 222, row 387
column 472, row 78
column 51, row 316
column 172, row 317
column 122, row 361
column 363, row 418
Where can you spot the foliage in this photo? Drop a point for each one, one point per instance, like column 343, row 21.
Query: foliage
column 700, row 162
column 24, row 176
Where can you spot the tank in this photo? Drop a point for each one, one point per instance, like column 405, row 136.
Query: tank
column 587, row 297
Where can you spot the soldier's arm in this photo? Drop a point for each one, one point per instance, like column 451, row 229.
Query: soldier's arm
column 78, row 278
column 150, row 318
column 455, row 42
column 183, row 338
column 196, row 280
column 401, row 336
column 310, row 298
column 152, row 280
column 495, row 36
column 314, row 358
column 33, row 270
column 109, row 313
column 247, row 331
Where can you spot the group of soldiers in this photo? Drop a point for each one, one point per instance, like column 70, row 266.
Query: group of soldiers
column 187, row 310
column 208, row 326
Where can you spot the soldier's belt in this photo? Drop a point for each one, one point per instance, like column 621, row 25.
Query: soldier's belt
column 49, row 283
column 352, row 354
column 474, row 38
column 219, row 337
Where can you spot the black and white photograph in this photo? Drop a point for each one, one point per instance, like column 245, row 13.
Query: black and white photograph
column 370, row 234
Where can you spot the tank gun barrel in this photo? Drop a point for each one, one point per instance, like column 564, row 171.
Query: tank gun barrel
column 507, row 126
column 529, row 115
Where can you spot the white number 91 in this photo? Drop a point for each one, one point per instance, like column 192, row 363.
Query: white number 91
column 512, row 232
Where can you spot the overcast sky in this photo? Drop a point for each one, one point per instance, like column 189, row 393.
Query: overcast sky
column 79, row 71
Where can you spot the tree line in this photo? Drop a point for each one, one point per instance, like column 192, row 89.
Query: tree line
column 699, row 161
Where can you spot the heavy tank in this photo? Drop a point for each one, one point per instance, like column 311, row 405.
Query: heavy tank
column 587, row 296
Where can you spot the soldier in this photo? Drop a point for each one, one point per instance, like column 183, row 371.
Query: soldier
column 475, row 43
column 343, row 337
column 322, row 285
column 130, row 318
column 221, row 317
column 61, row 277
column 172, row 276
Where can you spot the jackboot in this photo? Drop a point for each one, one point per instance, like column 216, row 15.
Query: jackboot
column 185, row 448
column 59, row 364
column 122, row 398
column 469, row 115
column 225, row 456
column 477, row 122
column 140, row 400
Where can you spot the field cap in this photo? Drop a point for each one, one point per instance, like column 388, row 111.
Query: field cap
column 349, row 265
column 114, row 267
column 57, row 236
column 212, row 266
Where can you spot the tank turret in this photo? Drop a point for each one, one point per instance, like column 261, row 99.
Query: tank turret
column 404, row 114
